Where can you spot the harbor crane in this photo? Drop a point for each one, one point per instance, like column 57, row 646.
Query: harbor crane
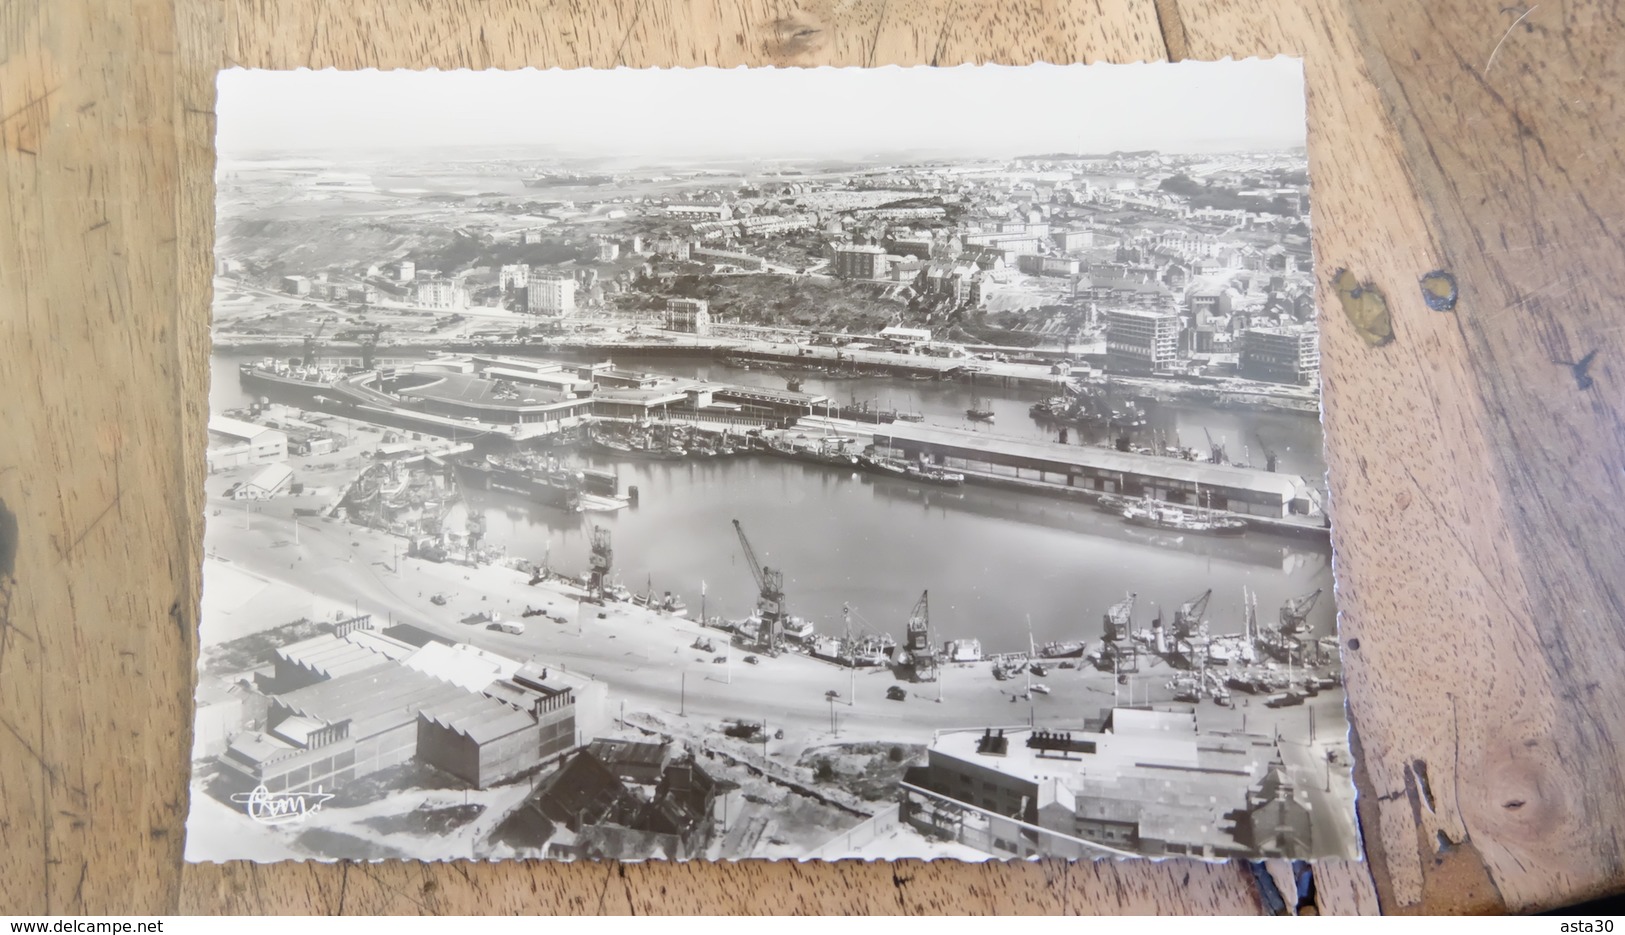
column 1216, row 452
column 599, row 562
column 1116, row 623
column 1295, row 612
column 369, row 346
column 1270, row 458
column 1188, row 617
column 920, row 648
column 770, row 591
column 312, row 345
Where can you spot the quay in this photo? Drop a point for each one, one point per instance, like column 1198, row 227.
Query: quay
column 1267, row 500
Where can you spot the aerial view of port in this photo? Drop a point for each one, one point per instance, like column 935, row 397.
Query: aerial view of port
column 767, row 505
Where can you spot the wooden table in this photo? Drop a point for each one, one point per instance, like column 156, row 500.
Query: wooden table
column 1477, row 471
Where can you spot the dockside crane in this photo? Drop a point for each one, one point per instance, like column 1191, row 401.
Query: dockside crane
column 770, row 591
column 599, row 562
column 369, row 346
column 920, row 648
column 1188, row 616
column 1216, row 452
column 312, row 345
column 1116, row 631
column 1295, row 612
column 1270, row 459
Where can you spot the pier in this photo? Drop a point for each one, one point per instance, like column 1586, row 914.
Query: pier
column 1278, row 501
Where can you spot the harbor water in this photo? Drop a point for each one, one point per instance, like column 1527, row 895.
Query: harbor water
column 996, row 562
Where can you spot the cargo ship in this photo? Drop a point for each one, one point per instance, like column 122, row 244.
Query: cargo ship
column 547, row 484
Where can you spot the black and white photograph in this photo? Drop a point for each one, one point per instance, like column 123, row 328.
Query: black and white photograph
column 799, row 464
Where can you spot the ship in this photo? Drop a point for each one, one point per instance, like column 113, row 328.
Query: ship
column 1067, row 649
column 880, row 464
column 1157, row 515
column 865, row 652
column 935, row 475
column 547, row 484
column 818, row 452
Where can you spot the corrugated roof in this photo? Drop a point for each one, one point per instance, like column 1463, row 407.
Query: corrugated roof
column 462, row 665
column 478, row 717
column 332, row 656
column 373, row 701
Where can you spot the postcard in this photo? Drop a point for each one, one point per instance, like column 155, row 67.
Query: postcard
column 806, row 463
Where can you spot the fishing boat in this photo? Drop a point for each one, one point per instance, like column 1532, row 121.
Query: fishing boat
column 1155, row 514
column 978, row 412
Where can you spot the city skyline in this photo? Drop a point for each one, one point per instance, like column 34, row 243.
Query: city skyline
column 645, row 117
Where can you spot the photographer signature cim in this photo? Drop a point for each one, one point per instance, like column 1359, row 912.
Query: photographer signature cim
column 276, row 808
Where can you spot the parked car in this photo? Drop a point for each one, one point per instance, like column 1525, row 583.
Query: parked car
column 896, row 693
column 752, row 660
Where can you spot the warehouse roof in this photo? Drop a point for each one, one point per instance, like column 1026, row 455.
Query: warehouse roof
column 976, row 445
column 372, row 701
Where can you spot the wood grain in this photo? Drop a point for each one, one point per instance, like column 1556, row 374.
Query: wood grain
column 1475, row 482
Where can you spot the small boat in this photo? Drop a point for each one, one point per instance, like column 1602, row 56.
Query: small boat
column 978, row 411
column 880, row 464
column 935, row 475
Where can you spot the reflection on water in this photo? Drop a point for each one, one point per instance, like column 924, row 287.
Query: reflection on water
column 990, row 558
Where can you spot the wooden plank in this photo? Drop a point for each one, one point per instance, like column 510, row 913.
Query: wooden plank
column 1473, row 475
column 95, row 674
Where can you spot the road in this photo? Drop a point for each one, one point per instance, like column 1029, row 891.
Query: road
column 648, row 664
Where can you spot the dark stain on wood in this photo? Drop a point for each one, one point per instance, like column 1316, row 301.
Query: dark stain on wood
column 1365, row 308
column 1581, row 370
column 1439, row 291
column 8, row 541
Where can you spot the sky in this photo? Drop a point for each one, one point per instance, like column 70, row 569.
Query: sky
column 706, row 113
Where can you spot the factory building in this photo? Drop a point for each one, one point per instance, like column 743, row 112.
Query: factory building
column 384, row 702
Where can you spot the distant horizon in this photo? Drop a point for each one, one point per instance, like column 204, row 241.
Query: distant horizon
column 656, row 117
